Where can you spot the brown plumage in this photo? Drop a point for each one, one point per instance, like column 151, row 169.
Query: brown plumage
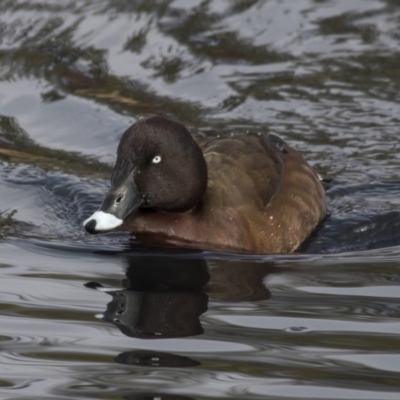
column 254, row 193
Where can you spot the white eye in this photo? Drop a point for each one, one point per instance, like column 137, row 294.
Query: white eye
column 156, row 160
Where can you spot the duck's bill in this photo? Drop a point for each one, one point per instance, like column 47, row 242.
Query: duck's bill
column 117, row 205
column 101, row 221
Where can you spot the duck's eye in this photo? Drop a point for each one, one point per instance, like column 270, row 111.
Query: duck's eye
column 118, row 199
column 156, row 160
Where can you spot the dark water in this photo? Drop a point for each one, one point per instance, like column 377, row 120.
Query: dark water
column 107, row 318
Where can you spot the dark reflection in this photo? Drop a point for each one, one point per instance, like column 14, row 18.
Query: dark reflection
column 152, row 315
column 360, row 227
column 163, row 297
column 165, row 294
column 355, row 232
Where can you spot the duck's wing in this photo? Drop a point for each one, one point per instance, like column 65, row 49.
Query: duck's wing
column 275, row 151
column 245, row 169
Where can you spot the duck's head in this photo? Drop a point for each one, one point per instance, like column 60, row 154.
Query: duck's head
column 159, row 166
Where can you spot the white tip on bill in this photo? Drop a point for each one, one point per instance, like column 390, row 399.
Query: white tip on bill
column 104, row 221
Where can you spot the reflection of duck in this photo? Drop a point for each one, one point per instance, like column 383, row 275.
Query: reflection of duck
column 165, row 294
column 246, row 193
column 163, row 298
column 157, row 315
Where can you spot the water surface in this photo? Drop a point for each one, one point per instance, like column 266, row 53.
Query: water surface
column 106, row 317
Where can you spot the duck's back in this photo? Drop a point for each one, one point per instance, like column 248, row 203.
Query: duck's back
column 262, row 196
column 243, row 170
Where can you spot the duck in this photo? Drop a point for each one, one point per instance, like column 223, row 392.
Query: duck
column 244, row 192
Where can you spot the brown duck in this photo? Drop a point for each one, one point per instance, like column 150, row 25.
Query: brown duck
column 247, row 192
